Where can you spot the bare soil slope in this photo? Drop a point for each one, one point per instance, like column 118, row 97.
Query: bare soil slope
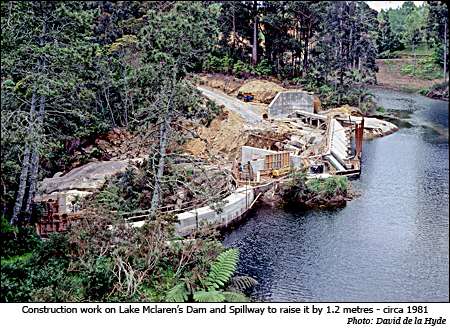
column 389, row 76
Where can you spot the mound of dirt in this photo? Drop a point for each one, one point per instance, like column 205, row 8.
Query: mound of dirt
column 263, row 90
column 227, row 84
column 223, row 137
column 344, row 111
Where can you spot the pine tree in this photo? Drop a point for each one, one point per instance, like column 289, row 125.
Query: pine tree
column 47, row 43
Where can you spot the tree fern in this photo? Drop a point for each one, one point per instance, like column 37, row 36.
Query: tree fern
column 209, row 296
column 222, row 269
column 177, row 294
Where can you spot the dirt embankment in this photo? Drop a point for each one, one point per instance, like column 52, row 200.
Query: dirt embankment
column 263, row 90
column 222, row 138
column 389, row 76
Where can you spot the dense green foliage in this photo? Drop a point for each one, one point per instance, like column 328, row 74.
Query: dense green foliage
column 212, row 288
column 410, row 29
column 92, row 263
column 302, row 192
column 330, row 186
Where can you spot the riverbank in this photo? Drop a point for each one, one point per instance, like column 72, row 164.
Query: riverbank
column 391, row 75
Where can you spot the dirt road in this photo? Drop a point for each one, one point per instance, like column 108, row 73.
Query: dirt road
column 250, row 112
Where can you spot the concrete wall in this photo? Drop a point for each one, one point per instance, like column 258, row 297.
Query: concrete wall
column 339, row 141
column 256, row 157
column 258, row 165
column 296, row 161
column 236, row 204
column 252, row 153
column 287, row 102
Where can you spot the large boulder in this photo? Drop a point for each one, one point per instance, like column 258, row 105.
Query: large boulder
column 88, row 177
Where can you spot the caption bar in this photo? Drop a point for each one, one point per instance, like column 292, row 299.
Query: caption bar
column 352, row 315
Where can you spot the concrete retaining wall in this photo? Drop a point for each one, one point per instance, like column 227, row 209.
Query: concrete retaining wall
column 236, row 205
column 252, row 153
column 285, row 103
column 256, row 158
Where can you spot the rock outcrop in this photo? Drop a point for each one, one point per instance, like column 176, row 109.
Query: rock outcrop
column 88, row 177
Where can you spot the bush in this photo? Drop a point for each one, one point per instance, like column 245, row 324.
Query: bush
column 424, row 91
column 438, row 55
column 242, row 69
column 329, row 187
column 214, row 63
column 424, row 69
column 263, row 68
column 17, row 240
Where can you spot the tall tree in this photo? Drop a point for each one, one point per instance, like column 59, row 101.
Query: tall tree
column 48, row 41
column 255, row 33
column 437, row 28
column 386, row 39
column 173, row 42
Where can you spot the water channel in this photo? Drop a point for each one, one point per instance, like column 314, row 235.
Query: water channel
column 389, row 244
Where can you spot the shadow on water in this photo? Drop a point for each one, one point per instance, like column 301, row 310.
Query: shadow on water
column 388, row 244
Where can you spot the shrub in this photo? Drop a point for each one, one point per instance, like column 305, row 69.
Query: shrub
column 241, row 69
column 330, row 186
column 17, row 240
column 223, row 64
column 263, row 68
column 424, row 69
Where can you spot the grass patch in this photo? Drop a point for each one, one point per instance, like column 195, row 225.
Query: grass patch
column 328, row 187
column 424, row 69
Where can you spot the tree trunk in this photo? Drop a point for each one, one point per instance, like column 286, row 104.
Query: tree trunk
column 234, row 30
column 445, row 50
column 255, row 33
column 305, row 52
column 164, row 131
column 25, row 166
column 34, row 170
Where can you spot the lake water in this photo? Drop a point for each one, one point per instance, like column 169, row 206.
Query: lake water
column 388, row 244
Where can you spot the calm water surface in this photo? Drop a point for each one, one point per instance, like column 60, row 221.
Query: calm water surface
column 389, row 244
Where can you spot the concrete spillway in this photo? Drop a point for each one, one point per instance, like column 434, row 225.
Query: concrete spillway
column 338, row 146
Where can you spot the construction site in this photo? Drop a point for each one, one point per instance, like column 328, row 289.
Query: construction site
column 254, row 145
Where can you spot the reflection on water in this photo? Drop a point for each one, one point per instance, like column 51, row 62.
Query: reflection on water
column 389, row 244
